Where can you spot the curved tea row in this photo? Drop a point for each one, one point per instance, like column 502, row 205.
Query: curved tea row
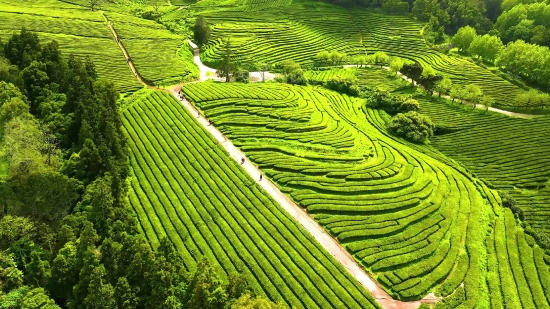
column 417, row 224
column 186, row 187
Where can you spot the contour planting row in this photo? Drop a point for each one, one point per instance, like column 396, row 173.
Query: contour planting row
column 370, row 198
column 418, row 225
column 187, row 188
column 511, row 154
column 75, row 36
column 298, row 34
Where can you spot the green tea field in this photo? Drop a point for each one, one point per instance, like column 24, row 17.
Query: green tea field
column 185, row 186
column 300, row 31
column 412, row 221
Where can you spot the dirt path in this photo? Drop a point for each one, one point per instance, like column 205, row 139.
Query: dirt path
column 316, row 230
column 124, row 51
column 478, row 106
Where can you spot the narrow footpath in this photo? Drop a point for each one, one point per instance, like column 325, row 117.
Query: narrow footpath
column 435, row 93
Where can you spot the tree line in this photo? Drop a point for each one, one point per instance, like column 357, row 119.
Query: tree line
column 68, row 237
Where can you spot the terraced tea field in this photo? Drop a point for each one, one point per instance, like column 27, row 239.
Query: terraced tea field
column 508, row 153
column 77, row 30
column 187, row 187
column 417, row 224
column 300, row 31
column 160, row 56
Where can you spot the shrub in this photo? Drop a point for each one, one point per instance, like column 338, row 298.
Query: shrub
column 509, row 202
column 345, row 85
column 412, row 126
column 390, row 103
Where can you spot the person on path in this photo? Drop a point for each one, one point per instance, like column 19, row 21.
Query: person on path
column 198, row 114
column 261, row 176
column 242, row 160
column 209, row 122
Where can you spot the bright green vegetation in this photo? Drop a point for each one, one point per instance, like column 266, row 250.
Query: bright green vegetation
column 299, row 31
column 186, row 186
column 323, row 75
column 416, row 223
column 161, row 57
column 508, row 153
column 76, row 29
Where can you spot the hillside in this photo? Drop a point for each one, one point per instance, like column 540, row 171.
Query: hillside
column 413, row 222
column 128, row 181
column 300, row 30
column 186, row 187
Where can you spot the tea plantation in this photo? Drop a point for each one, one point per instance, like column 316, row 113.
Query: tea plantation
column 416, row 223
column 508, row 153
column 160, row 56
column 300, row 31
column 187, row 187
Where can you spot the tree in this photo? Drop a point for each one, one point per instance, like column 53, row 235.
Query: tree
column 227, row 67
column 429, row 79
column 23, row 48
column 487, row 47
column 412, row 70
column 38, row 299
column 248, row 302
column 381, row 58
column 487, row 101
column 201, row 31
column 412, row 126
column 473, row 93
column 464, row 38
column 100, row 294
column 94, row 3
column 323, row 57
column 457, row 92
column 396, row 64
column 443, row 86
column 395, row 6
column 264, row 68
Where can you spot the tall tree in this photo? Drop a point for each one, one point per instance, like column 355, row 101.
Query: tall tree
column 443, row 86
column 227, row 67
column 464, row 38
column 487, row 47
column 201, row 31
column 412, row 70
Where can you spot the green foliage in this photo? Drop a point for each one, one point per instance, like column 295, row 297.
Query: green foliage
column 390, row 103
column 344, row 85
column 209, row 184
column 464, row 38
column 201, row 31
column 487, row 47
column 248, row 302
column 412, row 126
